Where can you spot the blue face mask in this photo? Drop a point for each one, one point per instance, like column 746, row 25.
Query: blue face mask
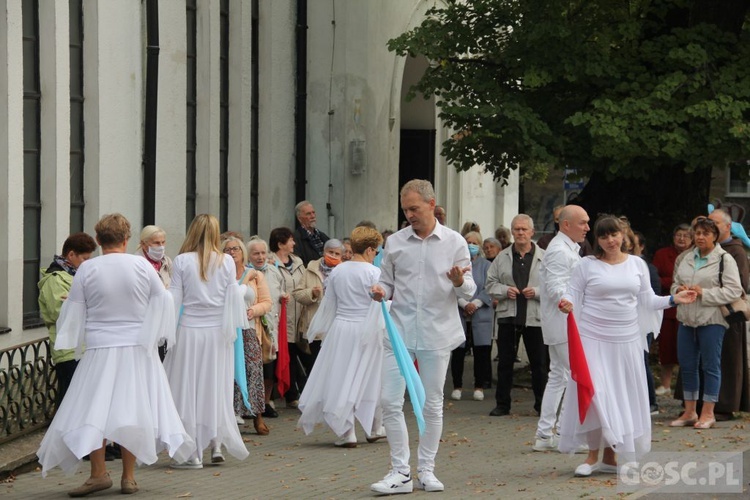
column 262, row 268
column 473, row 249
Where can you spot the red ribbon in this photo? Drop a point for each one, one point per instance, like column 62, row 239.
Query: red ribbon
column 579, row 369
column 283, row 378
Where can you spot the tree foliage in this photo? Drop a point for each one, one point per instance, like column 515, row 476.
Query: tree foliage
column 616, row 89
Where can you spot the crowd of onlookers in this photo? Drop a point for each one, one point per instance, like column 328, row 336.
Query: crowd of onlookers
column 241, row 311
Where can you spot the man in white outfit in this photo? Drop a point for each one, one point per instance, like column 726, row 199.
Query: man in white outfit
column 426, row 268
column 558, row 263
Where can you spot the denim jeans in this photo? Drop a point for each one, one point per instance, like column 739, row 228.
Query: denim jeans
column 701, row 344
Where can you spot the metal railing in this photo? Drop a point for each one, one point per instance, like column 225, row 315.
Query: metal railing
column 28, row 386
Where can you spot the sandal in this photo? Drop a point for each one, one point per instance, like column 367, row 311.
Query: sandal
column 704, row 424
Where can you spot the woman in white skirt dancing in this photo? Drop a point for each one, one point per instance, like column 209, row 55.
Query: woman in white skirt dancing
column 345, row 381
column 611, row 294
column 200, row 365
column 119, row 308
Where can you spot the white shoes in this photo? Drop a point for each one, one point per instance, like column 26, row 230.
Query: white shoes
column 377, row 436
column 216, row 456
column 478, row 395
column 585, row 470
column 545, row 443
column 663, row 391
column 456, row 395
column 193, row 463
column 240, row 420
column 348, row 440
column 393, row 483
column 427, row 481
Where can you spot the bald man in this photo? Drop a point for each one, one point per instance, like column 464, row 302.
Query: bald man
column 561, row 257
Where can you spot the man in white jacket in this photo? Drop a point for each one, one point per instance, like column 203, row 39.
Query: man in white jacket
column 558, row 263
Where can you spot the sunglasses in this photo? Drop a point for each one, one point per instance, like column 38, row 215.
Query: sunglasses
column 705, row 220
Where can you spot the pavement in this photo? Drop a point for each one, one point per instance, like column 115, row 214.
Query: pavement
column 479, row 456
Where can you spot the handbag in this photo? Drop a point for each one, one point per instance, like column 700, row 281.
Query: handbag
column 266, row 342
column 739, row 310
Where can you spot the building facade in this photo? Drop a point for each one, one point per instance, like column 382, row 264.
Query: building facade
column 163, row 109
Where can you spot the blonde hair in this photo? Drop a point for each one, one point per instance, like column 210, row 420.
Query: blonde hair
column 149, row 232
column 203, row 238
column 364, row 237
column 112, row 230
column 243, row 248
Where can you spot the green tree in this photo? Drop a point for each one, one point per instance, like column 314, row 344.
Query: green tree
column 642, row 97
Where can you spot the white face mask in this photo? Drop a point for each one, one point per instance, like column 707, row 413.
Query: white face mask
column 156, row 253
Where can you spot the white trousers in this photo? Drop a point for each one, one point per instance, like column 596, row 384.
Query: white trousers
column 433, row 366
column 552, row 401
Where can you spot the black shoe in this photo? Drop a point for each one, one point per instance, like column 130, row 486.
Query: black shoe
column 499, row 412
column 269, row 412
column 654, row 409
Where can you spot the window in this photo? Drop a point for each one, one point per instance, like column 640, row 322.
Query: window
column 191, row 10
column 77, row 202
column 224, row 117
column 738, row 179
column 32, row 205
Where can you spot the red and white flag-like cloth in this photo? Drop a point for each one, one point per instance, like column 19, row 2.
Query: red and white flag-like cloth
column 579, row 369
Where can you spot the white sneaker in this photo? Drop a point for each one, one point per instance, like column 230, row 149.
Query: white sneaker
column 456, row 395
column 663, row 391
column 240, row 420
column 193, row 463
column 216, row 456
column 393, row 483
column 427, row 481
column 545, row 443
column 348, row 440
column 478, row 395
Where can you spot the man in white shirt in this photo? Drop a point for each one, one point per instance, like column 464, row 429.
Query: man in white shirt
column 426, row 268
column 558, row 263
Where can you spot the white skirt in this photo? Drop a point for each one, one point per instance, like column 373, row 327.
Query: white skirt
column 122, row 395
column 619, row 416
column 200, row 369
column 345, row 381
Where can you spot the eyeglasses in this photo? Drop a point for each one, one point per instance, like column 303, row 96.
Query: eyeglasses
column 231, row 249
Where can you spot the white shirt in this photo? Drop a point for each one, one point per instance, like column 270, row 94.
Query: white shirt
column 558, row 263
column 425, row 301
column 202, row 301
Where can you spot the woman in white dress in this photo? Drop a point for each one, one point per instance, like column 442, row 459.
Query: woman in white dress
column 611, row 295
column 119, row 308
column 345, row 382
column 200, row 365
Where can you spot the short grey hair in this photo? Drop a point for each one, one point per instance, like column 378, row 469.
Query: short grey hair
column 333, row 243
column 421, row 187
column 724, row 215
column 523, row 217
column 256, row 240
column 298, row 207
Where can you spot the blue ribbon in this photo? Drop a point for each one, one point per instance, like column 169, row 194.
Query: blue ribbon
column 240, row 375
column 406, row 367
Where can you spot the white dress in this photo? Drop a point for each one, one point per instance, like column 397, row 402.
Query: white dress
column 345, row 381
column 119, row 309
column 611, row 304
column 200, row 363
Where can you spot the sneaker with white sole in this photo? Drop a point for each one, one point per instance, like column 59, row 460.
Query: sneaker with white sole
column 456, row 395
column 393, row 483
column 239, row 419
column 193, row 463
column 478, row 395
column 217, row 456
column 545, row 443
column 427, row 481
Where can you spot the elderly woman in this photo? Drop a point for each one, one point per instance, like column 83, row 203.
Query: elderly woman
column 664, row 260
column 258, row 303
column 119, row 309
column 292, row 270
column 476, row 318
column 310, row 291
column 611, row 294
column 257, row 250
column 491, row 247
column 152, row 246
column 713, row 276
column 200, row 365
column 345, row 382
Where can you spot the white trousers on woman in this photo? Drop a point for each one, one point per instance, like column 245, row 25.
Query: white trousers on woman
column 433, row 367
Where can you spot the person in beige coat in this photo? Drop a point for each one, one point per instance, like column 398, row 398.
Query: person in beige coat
column 310, row 292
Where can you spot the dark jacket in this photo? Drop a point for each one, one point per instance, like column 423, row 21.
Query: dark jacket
column 303, row 248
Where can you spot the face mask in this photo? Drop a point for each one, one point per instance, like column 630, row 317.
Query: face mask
column 156, row 253
column 261, row 268
column 473, row 249
column 331, row 261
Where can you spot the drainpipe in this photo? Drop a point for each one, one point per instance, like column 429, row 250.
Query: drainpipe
column 152, row 94
column 300, row 115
